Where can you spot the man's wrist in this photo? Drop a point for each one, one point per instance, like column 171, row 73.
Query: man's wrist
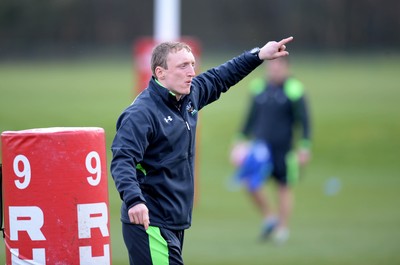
column 255, row 51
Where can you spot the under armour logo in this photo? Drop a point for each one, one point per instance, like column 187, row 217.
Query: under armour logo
column 168, row 119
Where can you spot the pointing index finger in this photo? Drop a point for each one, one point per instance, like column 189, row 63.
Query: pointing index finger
column 285, row 41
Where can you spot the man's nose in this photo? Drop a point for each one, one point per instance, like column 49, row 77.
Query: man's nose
column 192, row 71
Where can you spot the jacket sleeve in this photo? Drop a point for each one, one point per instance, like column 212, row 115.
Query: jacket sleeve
column 302, row 116
column 128, row 147
column 209, row 85
column 249, row 121
column 257, row 86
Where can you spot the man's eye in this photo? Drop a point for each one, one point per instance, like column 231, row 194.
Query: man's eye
column 186, row 65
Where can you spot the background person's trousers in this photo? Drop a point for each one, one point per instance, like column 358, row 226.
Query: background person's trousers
column 156, row 246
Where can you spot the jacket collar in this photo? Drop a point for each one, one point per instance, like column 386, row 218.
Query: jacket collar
column 157, row 88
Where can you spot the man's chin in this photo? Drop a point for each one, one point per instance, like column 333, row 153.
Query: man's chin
column 186, row 91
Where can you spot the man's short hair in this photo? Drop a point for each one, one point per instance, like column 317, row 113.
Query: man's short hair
column 161, row 51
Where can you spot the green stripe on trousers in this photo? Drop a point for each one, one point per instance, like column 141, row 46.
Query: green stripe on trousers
column 158, row 246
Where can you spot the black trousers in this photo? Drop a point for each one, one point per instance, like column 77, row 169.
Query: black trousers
column 154, row 246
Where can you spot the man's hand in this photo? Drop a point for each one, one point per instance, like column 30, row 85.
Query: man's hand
column 139, row 215
column 303, row 155
column 273, row 49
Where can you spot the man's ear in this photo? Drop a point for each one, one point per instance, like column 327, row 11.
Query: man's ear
column 160, row 73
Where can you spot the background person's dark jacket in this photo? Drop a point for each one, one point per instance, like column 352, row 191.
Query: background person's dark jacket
column 277, row 112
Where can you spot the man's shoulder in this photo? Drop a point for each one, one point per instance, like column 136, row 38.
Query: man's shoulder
column 257, row 86
column 144, row 100
column 294, row 89
column 143, row 105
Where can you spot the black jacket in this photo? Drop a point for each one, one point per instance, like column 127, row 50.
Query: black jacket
column 276, row 112
column 153, row 149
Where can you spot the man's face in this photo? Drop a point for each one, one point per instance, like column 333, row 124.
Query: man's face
column 178, row 77
column 277, row 70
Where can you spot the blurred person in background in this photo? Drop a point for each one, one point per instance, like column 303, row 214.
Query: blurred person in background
column 153, row 149
column 274, row 142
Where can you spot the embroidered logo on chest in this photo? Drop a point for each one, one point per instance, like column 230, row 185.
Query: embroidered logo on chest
column 191, row 109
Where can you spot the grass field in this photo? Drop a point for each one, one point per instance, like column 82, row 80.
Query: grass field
column 355, row 104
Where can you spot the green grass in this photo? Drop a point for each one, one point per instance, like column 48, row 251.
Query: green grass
column 356, row 122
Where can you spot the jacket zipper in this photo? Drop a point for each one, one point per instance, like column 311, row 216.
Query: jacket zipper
column 188, row 128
